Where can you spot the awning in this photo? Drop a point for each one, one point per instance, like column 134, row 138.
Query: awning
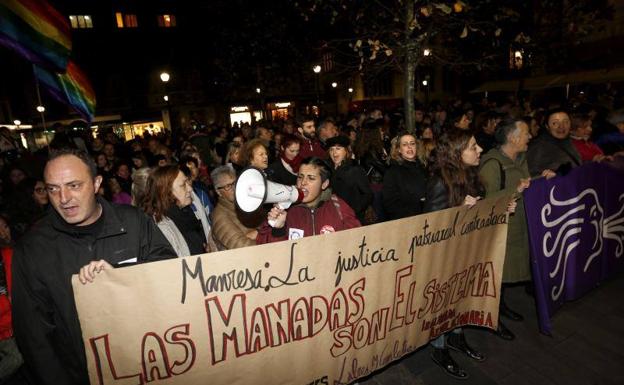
column 552, row 81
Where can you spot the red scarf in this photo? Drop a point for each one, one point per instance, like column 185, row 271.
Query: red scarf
column 294, row 163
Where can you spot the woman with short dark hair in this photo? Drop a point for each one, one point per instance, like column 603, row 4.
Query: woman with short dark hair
column 349, row 180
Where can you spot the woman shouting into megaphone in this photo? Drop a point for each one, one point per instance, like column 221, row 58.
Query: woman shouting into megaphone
column 320, row 212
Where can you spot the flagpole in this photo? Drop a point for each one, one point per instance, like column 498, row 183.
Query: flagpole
column 43, row 122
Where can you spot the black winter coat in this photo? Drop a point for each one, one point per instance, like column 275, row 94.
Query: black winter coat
column 548, row 152
column 374, row 167
column 437, row 195
column 350, row 183
column 44, row 313
column 404, row 187
column 277, row 173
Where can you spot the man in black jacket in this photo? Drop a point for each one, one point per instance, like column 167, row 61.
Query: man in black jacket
column 84, row 235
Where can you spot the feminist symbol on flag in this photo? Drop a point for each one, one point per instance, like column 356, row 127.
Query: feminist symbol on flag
column 581, row 214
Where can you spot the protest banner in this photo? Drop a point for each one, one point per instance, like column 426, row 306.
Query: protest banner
column 576, row 231
column 319, row 310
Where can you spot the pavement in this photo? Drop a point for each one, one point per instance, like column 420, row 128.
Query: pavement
column 586, row 347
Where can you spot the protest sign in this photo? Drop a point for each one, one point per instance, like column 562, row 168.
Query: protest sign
column 576, row 231
column 319, row 310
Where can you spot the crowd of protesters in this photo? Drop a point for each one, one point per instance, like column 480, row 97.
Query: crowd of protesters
column 354, row 170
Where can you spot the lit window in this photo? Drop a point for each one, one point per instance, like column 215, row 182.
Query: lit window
column 126, row 20
column 81, row 21
column 131, row 21
column 166, row 21
column 119, row 19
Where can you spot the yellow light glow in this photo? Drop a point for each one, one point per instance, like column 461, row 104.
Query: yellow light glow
column 119, row 18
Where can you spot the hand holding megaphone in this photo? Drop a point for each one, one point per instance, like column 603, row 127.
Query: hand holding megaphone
column 277, row 216
column 253, row 190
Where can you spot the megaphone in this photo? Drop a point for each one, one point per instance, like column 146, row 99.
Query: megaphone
column 253, row 190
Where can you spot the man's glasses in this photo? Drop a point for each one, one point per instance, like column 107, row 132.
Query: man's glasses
column 227, row 187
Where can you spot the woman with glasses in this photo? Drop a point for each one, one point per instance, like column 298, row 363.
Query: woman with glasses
column 227, row 229
column 168, row 200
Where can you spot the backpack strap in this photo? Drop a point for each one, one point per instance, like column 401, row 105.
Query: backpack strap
column 502, row 172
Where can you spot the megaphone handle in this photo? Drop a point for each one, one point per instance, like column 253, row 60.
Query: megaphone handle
column 281, row 205
column 284, row 205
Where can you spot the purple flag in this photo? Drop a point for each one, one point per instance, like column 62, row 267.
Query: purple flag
column 576, row 231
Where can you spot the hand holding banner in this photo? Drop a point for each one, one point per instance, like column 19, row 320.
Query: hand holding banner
column 324, row 309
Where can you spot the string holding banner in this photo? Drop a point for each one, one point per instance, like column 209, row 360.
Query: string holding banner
column 330, row 308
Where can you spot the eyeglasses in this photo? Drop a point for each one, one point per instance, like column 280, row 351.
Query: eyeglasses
column 227, row 187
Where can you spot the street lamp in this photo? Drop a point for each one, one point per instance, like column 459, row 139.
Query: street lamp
column 317, row 81
column 258, row 90
column 334, row 85
column 350, row 90
column 40, row 108
column 164, row 77
column 424, row 83
column 426, row 52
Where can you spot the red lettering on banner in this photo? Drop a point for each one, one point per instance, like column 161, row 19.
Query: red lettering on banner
column 355, row 293
column 379, row 322
column 229, row 325
column 410, row 315
column 487, row 278
column 459, row 283
column 259, row 338
column 399, row 306
column 301, row 322
column 154, row 358
column 100, row 347
column 342, row 341
column 361, row 333
column 476, row 281
column 339, row 310
column 320, row 312
column 279, row 320
column 178, row 335
column 473, row 283
column 279, row 323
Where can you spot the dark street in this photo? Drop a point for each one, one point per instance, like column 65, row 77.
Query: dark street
column 584, row 349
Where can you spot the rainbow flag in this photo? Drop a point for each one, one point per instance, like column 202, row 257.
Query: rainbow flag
column 36, row 31
column 72, row 88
